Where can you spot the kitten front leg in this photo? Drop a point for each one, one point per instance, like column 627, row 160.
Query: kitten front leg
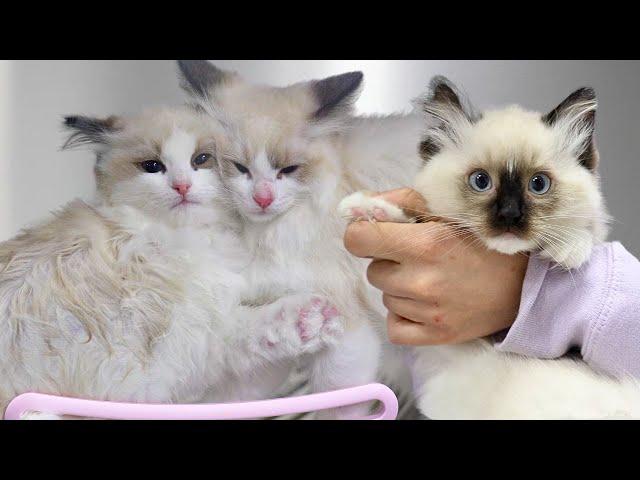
column 291, row 326
column 364, row 205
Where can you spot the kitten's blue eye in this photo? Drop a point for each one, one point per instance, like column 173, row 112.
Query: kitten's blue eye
column 480, row 181
column 539, row 184
column 241, row 168
column 153, row 166
column 201, row 159
column 289, row 169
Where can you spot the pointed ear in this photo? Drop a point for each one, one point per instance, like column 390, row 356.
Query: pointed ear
column 89, row 130
column 444, row 92
column 200, row 78
column 336, row 95
column 576, row 118
column 443, row 104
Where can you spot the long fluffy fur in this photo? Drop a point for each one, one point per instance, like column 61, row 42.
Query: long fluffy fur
column 300, row 248
column 474, row 380
column 138, row 297
column 95, row 306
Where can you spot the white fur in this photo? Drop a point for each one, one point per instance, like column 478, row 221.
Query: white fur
column 296, row 244
column 474, row 381
column 364, row 206
column 509, row 244
column 131, row 299
column 40, row 416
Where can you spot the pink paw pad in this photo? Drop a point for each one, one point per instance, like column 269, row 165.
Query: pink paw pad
column 301, row 325
column 380, row 214
column 329, row 312
column 358, row 213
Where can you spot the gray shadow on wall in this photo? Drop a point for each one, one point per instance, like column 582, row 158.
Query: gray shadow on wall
column 42, row 177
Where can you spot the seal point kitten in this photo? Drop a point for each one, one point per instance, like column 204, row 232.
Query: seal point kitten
column 518, row 181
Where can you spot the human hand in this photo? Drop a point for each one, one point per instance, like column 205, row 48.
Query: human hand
column 439, row 285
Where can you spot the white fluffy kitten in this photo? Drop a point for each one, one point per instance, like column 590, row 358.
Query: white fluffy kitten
column 137, row 297
column 293, row 153
column 518, row 181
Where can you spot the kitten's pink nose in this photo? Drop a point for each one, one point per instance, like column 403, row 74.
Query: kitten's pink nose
column 264, row 199
column 182, row 188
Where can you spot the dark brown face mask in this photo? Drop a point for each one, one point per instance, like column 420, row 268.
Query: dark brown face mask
column 509, row 210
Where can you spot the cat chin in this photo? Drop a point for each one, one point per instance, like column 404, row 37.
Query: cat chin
column 193, row 215
column 509, row 243
column 262, row 217
column 265, row 217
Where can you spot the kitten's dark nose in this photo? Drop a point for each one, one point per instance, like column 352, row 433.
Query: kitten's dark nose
column 510, row 213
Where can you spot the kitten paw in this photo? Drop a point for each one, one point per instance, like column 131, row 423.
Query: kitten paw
column 364, row 206
column 303, row 324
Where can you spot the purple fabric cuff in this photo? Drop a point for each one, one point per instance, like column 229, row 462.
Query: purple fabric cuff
column 595, row 308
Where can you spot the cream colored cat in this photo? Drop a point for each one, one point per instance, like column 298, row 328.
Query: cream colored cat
column 293, row 153
column 136, row 296
column 518, row 181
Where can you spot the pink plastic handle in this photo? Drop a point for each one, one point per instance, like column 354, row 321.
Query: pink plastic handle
column 213, row 411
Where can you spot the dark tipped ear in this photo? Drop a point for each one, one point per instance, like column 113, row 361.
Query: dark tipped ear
column 444, row 104
column 201, row 77
column 590, row 158
column 444, row 92
column 576, row 114
column 337, row 94
column 88, row 130
column 428, row 148
column 585, row 96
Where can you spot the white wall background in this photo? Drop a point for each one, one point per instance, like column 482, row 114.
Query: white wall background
column 35, row 177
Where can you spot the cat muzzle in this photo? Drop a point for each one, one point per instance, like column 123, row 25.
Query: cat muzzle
column 509, row 213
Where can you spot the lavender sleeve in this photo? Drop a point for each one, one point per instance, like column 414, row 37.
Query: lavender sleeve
column 595, row 308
